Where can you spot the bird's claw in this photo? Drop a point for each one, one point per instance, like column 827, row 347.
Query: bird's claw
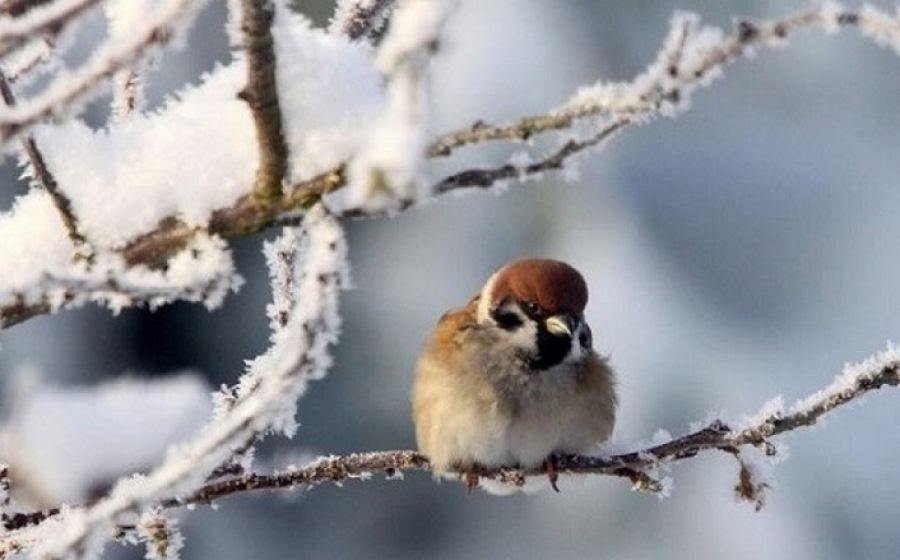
column 548, row 467
column 469, row 475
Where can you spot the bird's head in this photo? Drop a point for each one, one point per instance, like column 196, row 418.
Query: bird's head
column 539, row 304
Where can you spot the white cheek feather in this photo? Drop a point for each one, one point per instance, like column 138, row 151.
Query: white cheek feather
column 483, row 313
column 524, row 337
column 576, row 352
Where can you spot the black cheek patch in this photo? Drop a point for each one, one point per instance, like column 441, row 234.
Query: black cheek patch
column 552, row 350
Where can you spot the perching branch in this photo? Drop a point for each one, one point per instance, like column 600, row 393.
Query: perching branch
column 261, row 94
column 882, row 370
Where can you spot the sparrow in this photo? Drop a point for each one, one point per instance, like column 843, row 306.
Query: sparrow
column 511, row 379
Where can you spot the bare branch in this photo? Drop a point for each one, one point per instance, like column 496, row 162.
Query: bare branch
column 261, row 94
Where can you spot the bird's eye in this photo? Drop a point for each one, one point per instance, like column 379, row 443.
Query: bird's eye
column 532, row 308
column 506, row 319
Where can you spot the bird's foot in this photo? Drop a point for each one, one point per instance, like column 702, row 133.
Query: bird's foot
column 470, row 475
column 548, row 467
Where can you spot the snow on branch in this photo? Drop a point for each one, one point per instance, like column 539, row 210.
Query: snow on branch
column 161, row 24
column 339, row 132
column 691, row 57
column 388, row 171
column 38, row 170
column 28, row 19
column 263, row 401
column 329, row 148
column 203, row 274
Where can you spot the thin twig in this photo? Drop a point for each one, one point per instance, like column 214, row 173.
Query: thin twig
column 746, row 35
column 127, row 93
column 18, row 8
column 52, row 20
column 486, row 178
column 261, row 94
column 47, row 181
column 93, row 74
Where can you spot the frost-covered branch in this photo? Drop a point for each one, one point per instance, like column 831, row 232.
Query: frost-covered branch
column 32, row 18
column 485, row 178
column 263, row 401
column 206, row 276
column 128, row 83
column 357, row 19
column 156, row 249
column 261, row 95
column 45, row 179
column 690, row 57
column 639, row 466
column 881, row 370
column 389, row 170
column 160, row 25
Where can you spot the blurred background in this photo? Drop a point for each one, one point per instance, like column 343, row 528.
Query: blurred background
column 745, row 250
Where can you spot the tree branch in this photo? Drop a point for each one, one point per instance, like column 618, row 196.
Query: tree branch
column 881, row 370
column 47, row 181
column 261, row 94
column 93, row 74
column 680, row 68
column 263, row 402
column 156, row 248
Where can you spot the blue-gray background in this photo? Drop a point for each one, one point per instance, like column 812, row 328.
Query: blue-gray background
column 745, row 250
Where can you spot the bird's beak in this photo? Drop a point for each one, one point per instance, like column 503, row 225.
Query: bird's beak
column 563, row 324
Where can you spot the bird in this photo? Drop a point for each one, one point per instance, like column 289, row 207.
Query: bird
column 511, row 379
